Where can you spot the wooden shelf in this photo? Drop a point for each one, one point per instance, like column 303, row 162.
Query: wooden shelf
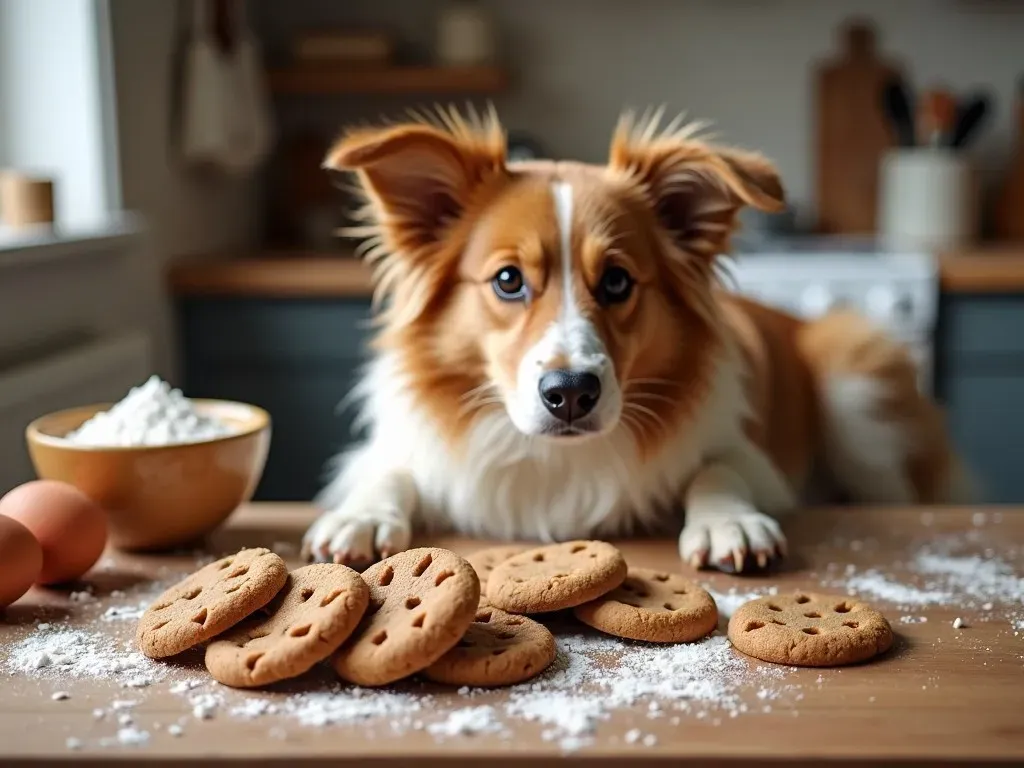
column 396, row 80
column 275, row 274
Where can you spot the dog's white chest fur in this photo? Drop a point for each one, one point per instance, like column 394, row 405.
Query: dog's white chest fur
column 502, row 484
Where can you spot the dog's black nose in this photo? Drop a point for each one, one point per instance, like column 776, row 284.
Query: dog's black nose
column 569, row 395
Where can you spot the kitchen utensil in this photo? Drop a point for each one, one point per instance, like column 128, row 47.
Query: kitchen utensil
column 158, row 497
column 970, row 114
column 936, row 117
column 1009, row 210
column 852, row 132
column 896, row 103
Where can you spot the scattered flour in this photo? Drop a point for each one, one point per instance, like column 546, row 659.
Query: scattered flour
column 728, row 602
column 150, row 414
column 467, row 722
column 74, row 653
column 125, row 612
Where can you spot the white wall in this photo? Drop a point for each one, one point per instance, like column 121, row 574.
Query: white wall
column 745, row 64
column 188, row 215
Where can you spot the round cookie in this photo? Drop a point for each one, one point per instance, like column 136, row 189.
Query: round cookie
column 555, row 577
column 421, row 603
column 315, row 612
column 485, row 560
column 655, row 606
column 499, row 648
column 809, row 630
column 210, row 601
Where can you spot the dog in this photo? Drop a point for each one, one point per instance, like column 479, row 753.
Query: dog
column 557, row 356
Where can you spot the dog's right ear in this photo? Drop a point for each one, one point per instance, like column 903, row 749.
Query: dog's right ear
column 420, row 178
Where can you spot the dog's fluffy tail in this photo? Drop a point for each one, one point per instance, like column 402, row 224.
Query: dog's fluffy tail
column 884, row 442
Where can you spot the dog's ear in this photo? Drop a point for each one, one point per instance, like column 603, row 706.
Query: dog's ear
column 419, row 178
column 695, row 188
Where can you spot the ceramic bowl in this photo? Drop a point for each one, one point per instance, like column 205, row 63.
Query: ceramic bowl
column 158, row 497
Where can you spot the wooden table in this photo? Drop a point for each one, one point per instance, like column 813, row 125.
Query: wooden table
column 942, row 694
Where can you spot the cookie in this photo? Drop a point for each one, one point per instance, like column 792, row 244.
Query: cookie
column 315, row 612
column 809, row 630
column 499, row 648
column 484, row 560
column 655, row 606
column 421, row 603
column 555, row 577
column 210, row 601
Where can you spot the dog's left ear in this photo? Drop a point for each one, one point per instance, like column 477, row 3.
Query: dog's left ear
column 419, row 178
column 695, row 188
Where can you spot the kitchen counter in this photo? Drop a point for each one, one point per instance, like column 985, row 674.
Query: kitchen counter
column 940, row 695
column 995, row 269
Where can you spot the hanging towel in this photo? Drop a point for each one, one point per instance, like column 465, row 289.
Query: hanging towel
column 250, row 113
column 205, row 129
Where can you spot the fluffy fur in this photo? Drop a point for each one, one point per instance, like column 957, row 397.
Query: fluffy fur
column 492, row 275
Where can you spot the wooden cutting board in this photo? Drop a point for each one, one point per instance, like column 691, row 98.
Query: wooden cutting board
column 852, row 132
column 1009, row 213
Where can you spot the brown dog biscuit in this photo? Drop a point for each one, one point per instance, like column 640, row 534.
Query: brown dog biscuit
column 809, row 630
column 499, row 648
column 485, row 560
column 655, row 606
column 210, row 601
column 315, row 612
column 421, row 603
column 556, row 577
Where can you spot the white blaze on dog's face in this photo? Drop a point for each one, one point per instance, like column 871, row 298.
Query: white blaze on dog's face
column 566, row 383
column 577, row 298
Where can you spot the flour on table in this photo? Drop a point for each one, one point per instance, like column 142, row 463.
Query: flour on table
column 74, row 653
column 728, row 602
column 150, row 414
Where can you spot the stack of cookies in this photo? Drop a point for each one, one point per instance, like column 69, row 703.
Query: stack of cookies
column 458, row 621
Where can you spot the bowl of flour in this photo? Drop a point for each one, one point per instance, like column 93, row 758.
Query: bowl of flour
column 168, row 469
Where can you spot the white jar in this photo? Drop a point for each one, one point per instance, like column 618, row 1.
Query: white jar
column 928, row 198
column 465, row 35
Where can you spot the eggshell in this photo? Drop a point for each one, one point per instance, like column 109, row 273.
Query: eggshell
column 21, row 560
column 69, row 526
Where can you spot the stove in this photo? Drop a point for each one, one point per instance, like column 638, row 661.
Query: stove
column 897, row 290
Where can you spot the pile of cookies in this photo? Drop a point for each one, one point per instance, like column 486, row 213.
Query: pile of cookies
column 459, row 621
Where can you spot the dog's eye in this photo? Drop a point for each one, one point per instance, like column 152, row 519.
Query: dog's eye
column 616, row 286
column 509, row 284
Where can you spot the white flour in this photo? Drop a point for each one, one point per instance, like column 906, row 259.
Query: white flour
column 150, row 414
column 73, row 653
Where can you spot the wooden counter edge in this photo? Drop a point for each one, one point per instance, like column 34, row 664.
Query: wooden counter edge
column 998, row 269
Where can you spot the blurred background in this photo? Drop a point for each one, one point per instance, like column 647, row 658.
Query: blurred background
column 162, row 208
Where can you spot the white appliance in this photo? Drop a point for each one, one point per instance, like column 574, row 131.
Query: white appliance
column 898, row 291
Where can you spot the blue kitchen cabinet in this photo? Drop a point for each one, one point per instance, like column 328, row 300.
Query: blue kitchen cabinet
column 980, row 379
column 298, row 359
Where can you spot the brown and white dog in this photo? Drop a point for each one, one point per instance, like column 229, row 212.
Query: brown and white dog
column 556, row 358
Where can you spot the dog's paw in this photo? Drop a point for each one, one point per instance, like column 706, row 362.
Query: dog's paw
column 356, row 538
column 732, row 540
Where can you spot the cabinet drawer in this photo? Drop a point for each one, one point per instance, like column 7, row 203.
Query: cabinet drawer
column 274, row 331
column 983, row 326
column 987, row 424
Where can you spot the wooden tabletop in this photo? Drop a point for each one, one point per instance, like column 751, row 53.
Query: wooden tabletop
column 940, row 695
column 299, row 274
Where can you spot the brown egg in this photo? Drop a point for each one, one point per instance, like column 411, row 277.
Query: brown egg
column 69, row 526
column 22, row 559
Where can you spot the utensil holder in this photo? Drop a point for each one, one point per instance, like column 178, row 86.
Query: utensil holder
column 928, row 199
